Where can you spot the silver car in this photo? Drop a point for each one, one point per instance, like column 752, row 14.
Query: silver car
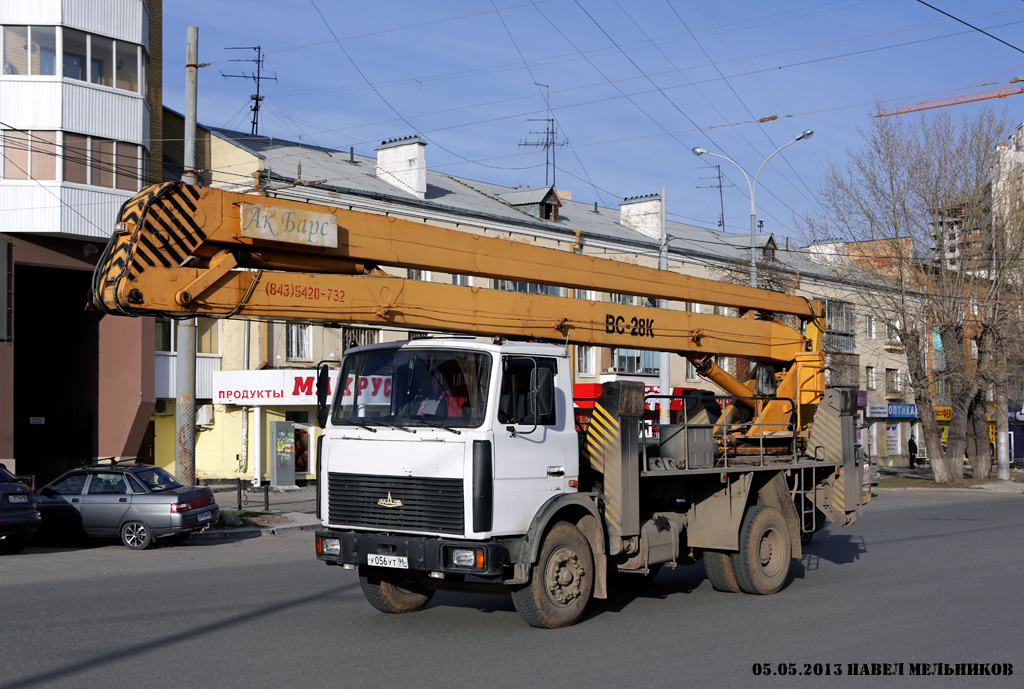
column 139, row 503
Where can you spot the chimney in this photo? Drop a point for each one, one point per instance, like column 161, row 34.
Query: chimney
column 403, row 164
column 642, row 213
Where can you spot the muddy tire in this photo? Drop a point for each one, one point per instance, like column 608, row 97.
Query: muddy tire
column 762, row 563
column 393, row 592
column 561, row 583
column 719, row 568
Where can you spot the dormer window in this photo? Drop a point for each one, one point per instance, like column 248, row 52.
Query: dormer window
column 541, row 203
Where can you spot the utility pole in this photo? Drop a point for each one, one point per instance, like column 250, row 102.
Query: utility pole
column 185, row 361
column 256, row 98
column 664, row 358
column 550, row 141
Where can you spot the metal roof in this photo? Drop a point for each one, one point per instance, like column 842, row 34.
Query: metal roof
column 333, row 171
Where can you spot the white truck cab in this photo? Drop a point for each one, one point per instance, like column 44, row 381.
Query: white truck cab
column 445, row 439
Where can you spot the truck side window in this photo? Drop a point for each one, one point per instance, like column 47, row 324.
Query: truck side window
column 514, row 398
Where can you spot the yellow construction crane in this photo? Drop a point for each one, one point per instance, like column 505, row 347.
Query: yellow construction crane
column 955, row 100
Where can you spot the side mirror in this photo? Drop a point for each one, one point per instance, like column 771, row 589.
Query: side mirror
column 323, row 385
column 542, row 392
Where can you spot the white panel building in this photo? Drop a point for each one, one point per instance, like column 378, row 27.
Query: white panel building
column 80, row 130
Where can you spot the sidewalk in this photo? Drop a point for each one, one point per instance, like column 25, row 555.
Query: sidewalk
column 297, row 507
column 1002, row 487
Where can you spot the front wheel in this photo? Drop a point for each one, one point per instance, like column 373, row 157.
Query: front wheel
column 562, row 581
column 762, row 563
column 393, row 592
column 136, row 535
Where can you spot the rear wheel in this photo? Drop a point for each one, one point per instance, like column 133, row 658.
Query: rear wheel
column 393, row 592
column 721, row 574
column 12, row 544
column 562, row 580
column 136, row 535
column 765, row 552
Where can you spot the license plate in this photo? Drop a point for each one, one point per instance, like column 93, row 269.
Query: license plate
column 203, row 516
column 17, row 498
column 394, row 561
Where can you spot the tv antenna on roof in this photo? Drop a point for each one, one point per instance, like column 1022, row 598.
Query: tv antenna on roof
column 550, row 141
column 256, row 98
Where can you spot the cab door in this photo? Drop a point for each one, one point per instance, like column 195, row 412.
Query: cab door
column 104, row 503
column 529, row 458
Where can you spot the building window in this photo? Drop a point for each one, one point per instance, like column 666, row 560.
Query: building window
column 15, row 149
column 207, row 336
column 527, row 287
column 28, row 155
column 584, row 360
column 357, row 337
column 297, row 346
column 29, row 50
column 893, row 381
column 164, row 335
column 76, row 158
column 76, row 50
column 634, row 361
column 840, row 317
column 869, row 377
column 892, row 333
column 691, row 372
column 870, row 328
column 102, row 163
column 461, row 280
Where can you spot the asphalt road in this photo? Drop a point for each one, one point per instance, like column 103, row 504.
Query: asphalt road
column 923, row 577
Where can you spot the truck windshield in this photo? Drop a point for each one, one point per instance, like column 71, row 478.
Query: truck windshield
column 413, row 387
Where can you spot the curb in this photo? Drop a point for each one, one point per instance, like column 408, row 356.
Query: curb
column 247, row 532
column 973, row 489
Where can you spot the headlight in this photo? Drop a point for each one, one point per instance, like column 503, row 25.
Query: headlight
column 329, row 546
column 468, row 558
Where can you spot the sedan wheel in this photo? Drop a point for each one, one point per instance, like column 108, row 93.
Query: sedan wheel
column 136, row 535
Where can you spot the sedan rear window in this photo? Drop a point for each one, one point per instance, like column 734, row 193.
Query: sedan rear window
column 156, row 479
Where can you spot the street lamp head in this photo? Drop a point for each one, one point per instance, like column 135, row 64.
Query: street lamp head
column 698, row 151
column 806, row 134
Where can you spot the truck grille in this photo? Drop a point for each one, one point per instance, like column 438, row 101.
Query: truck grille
column 396, row 502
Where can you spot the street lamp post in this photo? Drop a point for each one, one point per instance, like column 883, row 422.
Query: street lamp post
column 752, row 185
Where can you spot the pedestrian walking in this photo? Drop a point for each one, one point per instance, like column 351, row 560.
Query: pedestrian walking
column 912, row 451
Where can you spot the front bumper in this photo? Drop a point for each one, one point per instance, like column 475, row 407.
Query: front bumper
column 422, row 553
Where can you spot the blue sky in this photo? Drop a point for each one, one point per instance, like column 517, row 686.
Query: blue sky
column 633, row 85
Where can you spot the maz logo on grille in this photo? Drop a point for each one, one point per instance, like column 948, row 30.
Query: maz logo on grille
column 389, row 501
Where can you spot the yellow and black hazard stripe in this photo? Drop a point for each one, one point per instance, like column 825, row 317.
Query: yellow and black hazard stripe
column 166, row 231
column 603, row 450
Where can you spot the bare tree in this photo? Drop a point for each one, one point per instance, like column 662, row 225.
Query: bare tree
column 913, row 208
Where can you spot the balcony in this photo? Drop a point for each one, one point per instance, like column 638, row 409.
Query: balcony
column 894, row 387
column 166, row 374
